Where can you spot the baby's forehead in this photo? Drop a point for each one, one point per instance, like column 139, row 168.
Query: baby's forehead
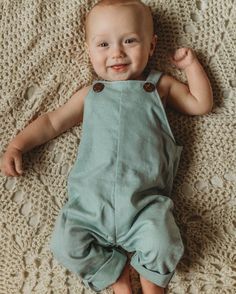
column 135, row 8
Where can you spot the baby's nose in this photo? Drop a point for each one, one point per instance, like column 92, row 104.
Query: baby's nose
column 118, row 52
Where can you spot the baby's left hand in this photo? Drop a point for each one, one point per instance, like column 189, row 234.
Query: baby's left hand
column 183, row 57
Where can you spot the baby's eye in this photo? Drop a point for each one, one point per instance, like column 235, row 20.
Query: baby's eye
column 130, row 40
column 103, row 44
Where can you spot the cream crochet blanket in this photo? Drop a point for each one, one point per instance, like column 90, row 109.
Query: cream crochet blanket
column 43, row 62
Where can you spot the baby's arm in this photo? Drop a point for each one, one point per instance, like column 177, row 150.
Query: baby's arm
column 196, row 97
column 41, row 130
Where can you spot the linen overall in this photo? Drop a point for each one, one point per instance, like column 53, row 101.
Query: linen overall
column 119, row 188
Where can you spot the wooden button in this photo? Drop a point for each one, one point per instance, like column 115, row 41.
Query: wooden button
column 98, row 87
column 149, row 87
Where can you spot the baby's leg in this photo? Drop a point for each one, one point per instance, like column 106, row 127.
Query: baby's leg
column 155, row 240
column 150, row 288
column 122, row 285
column 86, row 254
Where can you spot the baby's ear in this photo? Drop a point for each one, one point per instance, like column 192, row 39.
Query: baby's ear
column 153, row 45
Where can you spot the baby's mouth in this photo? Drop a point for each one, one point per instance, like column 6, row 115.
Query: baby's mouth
column 119, row 67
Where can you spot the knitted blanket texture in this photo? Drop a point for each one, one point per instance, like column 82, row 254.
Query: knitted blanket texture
column 42, row 63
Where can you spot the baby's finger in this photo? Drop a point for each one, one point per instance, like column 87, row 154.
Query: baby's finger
column 175, row 63
column 179, row 54
column 10, row 168
column 18, row 166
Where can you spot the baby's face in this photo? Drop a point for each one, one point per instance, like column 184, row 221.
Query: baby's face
column 119, row 41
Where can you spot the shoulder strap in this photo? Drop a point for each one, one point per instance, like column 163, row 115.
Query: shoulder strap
column 154, row 76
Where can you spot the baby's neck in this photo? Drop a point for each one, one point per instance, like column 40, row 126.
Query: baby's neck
column 140, row 78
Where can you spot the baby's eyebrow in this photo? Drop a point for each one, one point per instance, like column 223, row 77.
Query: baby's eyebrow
column 124, row 35
column 99, row 37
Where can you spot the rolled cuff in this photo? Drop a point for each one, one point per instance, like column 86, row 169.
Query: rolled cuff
column 108, row 273
column 161, row 280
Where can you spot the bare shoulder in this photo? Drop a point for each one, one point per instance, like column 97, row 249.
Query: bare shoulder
column 165, row 83
column 76, row 101
column 70, row 113
column 163, row 87
column 84, row 91
column 81, row 94
column 75, row 104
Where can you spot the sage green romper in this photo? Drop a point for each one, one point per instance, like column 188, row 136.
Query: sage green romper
column 119, row 188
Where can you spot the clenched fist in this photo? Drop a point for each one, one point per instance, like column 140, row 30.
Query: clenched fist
column 183, row 57
column 11, row 162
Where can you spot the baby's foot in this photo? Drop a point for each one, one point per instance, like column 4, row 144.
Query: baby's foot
column 121, row 289
column 149, row 287
column 122, row 285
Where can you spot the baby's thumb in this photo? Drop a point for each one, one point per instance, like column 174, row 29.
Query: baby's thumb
column 18, row 166
column 179, row 54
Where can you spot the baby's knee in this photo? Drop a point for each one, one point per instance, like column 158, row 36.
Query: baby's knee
column 77, row 243
column 69, row 240
column 162, row 250
column 169, row 256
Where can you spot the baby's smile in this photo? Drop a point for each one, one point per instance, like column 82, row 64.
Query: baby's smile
column 120, row 67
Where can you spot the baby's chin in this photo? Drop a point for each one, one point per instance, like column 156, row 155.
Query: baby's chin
column 120, row 77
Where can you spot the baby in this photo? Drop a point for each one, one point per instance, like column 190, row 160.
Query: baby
column 119, row 188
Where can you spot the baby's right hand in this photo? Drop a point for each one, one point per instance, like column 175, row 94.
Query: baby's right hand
column 11, row 162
